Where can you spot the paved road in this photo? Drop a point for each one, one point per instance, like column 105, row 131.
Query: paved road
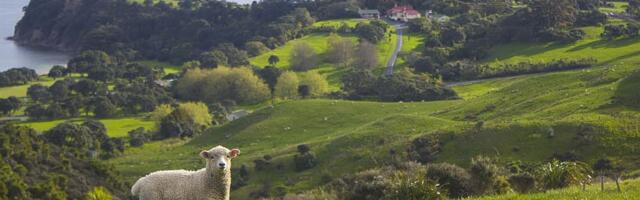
column 394, row 56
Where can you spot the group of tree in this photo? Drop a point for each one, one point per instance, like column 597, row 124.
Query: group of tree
column 9, row 105
column 157, row 30
column 240, row 85
column 402, row 86
column 630, row 30
column 184, row 120
column 17, row 76
column 100, row 66
column 342, row 51
column 70, row 97
column 309, row 84
column 36, row 167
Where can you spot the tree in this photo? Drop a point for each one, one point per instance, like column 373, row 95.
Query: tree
column 305, row 159
column 235, row 56
column 453, row 35
column 371, row 33
column 57, row 71
column 273, row 60
column 359, row 83
column 317, row 84
column 213, row 59
column 36, row 112
column 270, row 75
column 104, row 74
column 366, row 56
column 553, row 13
column 287, row 85
column 255, row 48
column 88, row 60
column 9, row 105
column 303, row 57
column 103, row 108
column 190, row 65
column 187, row 120
column 341, row 50
column 216, row 85
column 38, row 93
column 86, row 87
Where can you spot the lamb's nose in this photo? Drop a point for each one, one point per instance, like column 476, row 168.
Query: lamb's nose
column 221, row 165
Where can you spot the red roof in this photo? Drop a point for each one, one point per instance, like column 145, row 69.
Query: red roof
column 408, row 10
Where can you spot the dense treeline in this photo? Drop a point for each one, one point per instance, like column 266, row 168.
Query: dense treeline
column 402, row 86
column 159, row 31
column 464, row 70
column 17, row 76
column 70, row 97
column 34, row 167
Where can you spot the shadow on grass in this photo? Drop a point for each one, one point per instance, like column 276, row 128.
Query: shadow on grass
column 622, row 57
column 628, row 92
column 217, row 135
column 605, row 44
column 526, row 49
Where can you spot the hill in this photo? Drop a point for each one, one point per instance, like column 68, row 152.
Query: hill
column 354, row 135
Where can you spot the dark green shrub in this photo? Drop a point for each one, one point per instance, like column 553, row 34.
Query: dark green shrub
column 456, row 180
column 486, row 176
column 304, row 161
column 424, row 149
column 523, row 183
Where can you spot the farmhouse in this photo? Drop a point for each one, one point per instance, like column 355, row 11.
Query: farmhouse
column 403, row 13
column 369, row 14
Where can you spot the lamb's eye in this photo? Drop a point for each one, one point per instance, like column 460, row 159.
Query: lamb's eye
column 228, row 156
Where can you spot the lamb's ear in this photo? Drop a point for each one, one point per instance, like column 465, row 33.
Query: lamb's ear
column 234, row 153
column 204, row 154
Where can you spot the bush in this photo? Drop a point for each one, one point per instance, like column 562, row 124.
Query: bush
column 424, row 149
column 304, row 161
column 486, row 176
column 99, row 193
column 456, row 180
column 405, row 181
column 414, row 187
column 138, row 137
column 556, row 174
column 523, row 183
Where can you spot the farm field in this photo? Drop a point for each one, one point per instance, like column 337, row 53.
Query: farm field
column 21, row 90
column 116, row 127
column 592, row 46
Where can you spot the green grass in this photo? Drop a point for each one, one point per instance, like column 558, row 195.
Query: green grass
column 352, row 136
column 117, row 127
column 606, row 52
column 168, row 68
column 338, row 22
column 619, row 7
column 630, row 190
column 319, row 42
column 21, row 90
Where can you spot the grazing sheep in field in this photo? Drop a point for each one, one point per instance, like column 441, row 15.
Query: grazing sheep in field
column 211, row 183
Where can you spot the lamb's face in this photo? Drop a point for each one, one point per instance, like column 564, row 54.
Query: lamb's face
column 219, row 158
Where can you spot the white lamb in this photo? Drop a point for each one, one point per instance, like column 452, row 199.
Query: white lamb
column 211, row 183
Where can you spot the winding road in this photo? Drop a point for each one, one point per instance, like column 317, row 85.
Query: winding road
column 394, row 55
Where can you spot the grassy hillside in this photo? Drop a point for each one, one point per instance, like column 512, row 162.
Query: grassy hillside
column 630, row 190
column 606, row 52
column 351, row 136
column 319, row 42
